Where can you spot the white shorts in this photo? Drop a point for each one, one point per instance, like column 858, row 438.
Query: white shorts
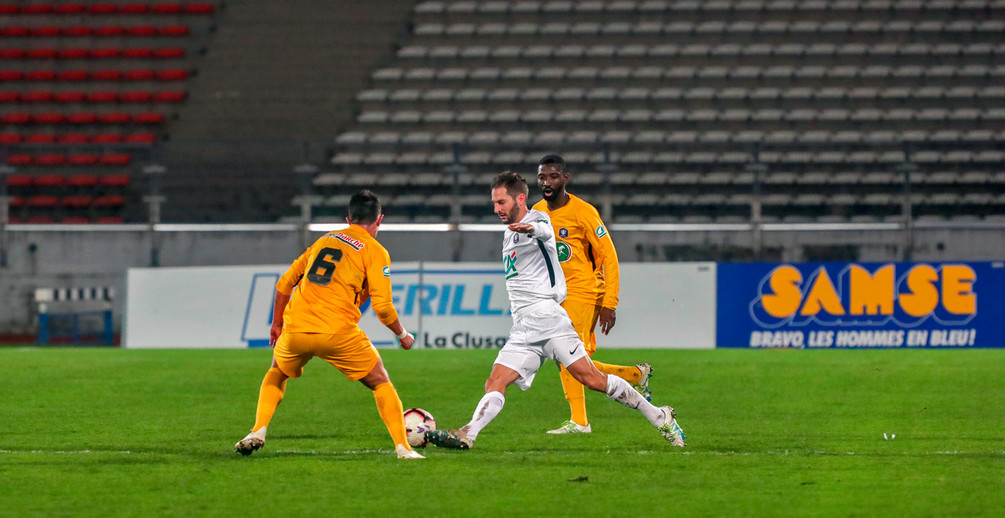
column 542, row 332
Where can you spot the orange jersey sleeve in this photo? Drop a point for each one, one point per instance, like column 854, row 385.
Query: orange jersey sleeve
column 331, row 279
column 583, row 254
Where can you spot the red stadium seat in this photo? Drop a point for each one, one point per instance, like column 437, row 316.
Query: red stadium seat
column 138, row 53
column 74, row 138
column 199, row 8
column 106, row 75
column 36, row 97
column 133, row 8
column 102, row 97
column 36, row 9
column 10, row 8
column 103, row 8
column 46, row 31
column 142, row 30
column 71, row 96
column 51, row 159
column 73, row 53
column 78, row 31
column 114, row 118
column 40, row 138
column 105, row 53
column 82, row 180
column 170, row 96
column 12, row 53
column 16, row 201
column 9, row 97
column 82, row 118
column 135, row 97
column 50, row 180
column 73, row 75
column 169, row 53
column 174, row 30
column 19, row 159
column 15, row 118
column 138, row 75
column 114, row 180
column 19, row 180
column 173, row 74
column 15, row 31
column 110, row 200
column 11, row 75
column 106, row 138
column 71, row 8
column 109, row 220
column 141, row 138
column 83, row 159
column 77, row 201
column 148, row 118
column 40, row 220
column 42, row 53
column 166, row 8
column 40, row 75
column 116, row 159
column 10, row 138
column 109, row 30
column 48, row 118
column 70, row 220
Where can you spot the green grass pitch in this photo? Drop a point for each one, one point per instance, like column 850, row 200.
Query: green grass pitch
column 110, row 432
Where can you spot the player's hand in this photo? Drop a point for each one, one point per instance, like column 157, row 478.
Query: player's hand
column 607, row 318
column 274, row 332
column 523, row 228
column 406, row 342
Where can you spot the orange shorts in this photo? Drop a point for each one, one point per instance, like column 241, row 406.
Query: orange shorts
column 350, row 352
column 584, row 317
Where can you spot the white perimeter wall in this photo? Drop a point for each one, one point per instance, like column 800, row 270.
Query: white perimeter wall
column 446, row 304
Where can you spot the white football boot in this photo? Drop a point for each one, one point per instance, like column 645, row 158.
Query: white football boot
column 405, row 453
column 571, row 427
column 670, row 430
column 251, row 442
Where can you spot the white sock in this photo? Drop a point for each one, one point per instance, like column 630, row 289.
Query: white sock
column 487, row 410
column 621, row 391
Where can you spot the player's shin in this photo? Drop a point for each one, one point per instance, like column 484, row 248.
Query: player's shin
column 621, row 391
column 575, row 394
column 488, row 408
column 390, row 410
column 630, row 374
column 269, row 397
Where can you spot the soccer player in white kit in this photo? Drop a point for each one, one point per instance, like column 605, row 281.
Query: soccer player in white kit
column 541, row 327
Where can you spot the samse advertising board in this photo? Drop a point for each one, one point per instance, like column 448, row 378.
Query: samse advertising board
column 848, row 305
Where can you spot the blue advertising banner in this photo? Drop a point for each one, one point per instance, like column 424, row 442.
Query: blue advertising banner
column 856, row 305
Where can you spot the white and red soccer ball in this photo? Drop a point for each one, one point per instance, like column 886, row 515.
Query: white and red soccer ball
column 417, row 423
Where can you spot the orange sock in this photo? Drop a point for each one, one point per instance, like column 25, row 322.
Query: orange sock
column 269, row 397
column 575, row 394
column 630, row 374
column 390, row 410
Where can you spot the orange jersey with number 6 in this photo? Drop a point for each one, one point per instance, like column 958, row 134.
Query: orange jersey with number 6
column 330, row 280
column 585, row 249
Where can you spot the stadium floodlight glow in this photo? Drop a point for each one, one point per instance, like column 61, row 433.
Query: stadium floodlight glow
column 481, row 227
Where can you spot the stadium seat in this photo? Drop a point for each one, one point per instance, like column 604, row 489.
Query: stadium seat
column 115, row 159
column 114, row 180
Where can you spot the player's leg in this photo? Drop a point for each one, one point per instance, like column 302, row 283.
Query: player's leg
column 390, row 408
column 286, row 363
column 621, row 391
column 486, row 410
column 638, row 376
column 584, row 319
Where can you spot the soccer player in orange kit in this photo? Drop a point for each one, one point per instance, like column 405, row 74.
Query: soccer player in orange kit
column 590, row 264
column 316, row 313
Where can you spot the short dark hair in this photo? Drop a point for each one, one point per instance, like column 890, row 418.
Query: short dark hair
column 364, row 208
column 513, row 182
column 557, row 160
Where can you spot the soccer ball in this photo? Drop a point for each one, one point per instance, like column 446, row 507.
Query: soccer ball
column 417, row 423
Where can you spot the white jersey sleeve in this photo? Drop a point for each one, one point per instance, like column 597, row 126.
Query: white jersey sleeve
column 533, row 272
